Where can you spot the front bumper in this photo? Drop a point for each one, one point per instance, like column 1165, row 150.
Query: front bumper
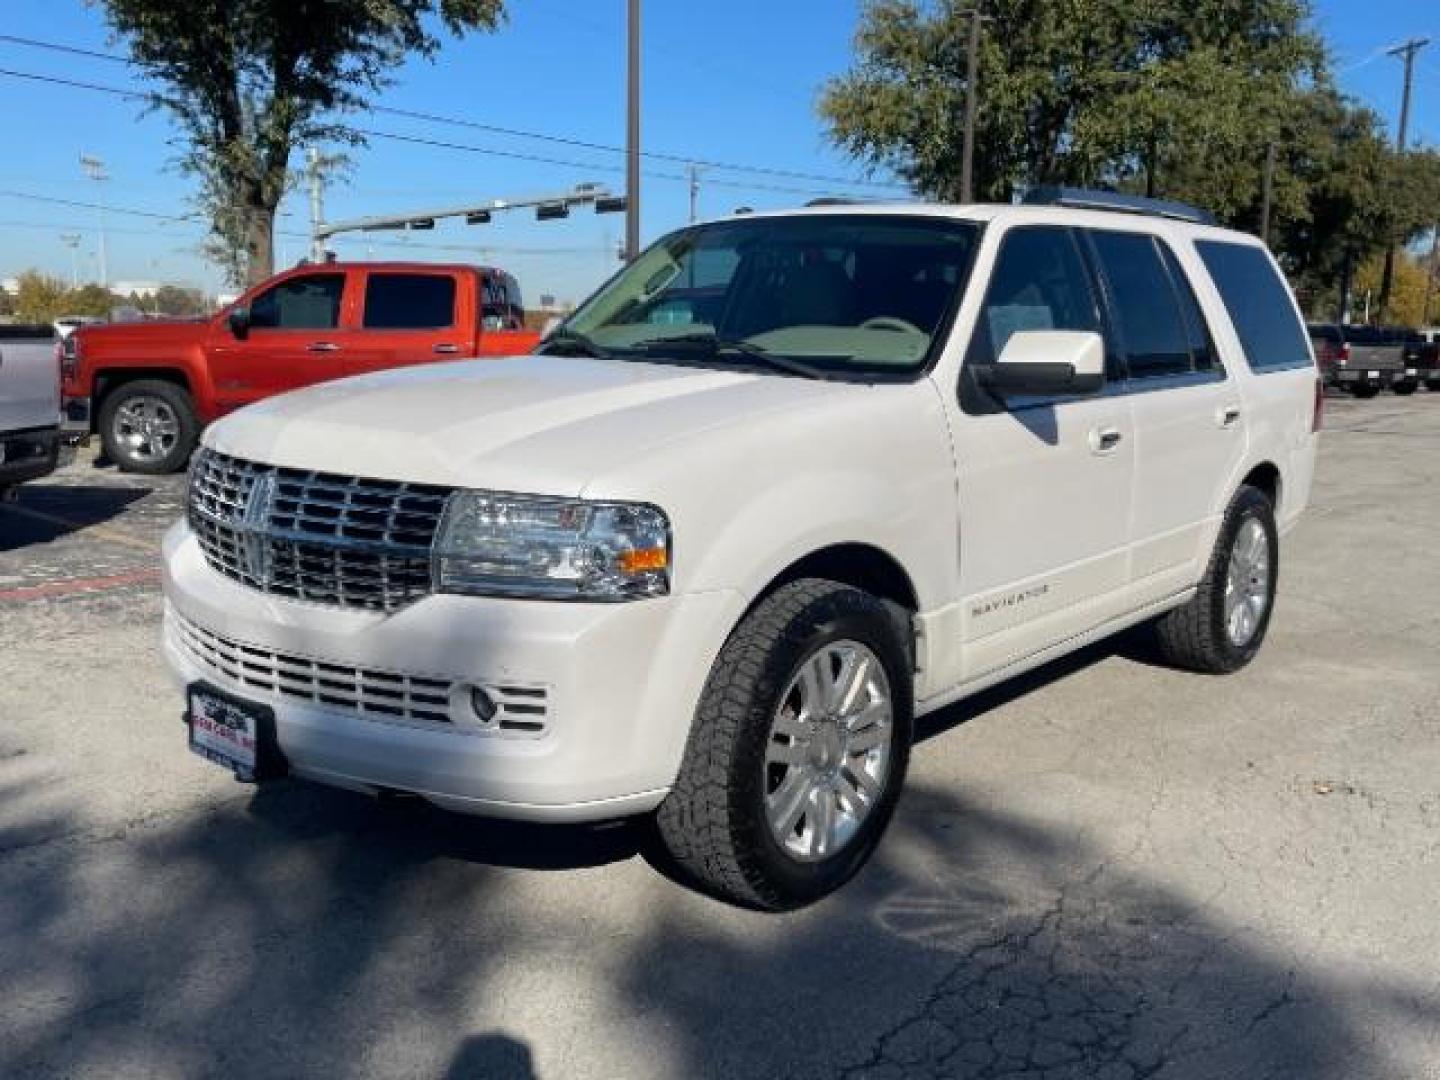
column 618, row 685
column 75, row 419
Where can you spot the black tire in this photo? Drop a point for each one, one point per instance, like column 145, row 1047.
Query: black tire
column 713, row 824
column 1363, row 390
column 151, row 458
column 1433, row 387
column 1194, row 636
column 1405, row 389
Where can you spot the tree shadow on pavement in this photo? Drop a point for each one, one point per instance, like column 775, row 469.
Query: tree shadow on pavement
column 983, row 946
column 310, row 932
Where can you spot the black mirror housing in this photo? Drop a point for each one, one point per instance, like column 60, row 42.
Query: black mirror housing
column 1037, row 379
column 239, row 320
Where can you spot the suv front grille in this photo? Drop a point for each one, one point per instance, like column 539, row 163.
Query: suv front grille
column 342, row 540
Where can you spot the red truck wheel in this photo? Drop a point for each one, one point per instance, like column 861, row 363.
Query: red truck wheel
column 148, row 426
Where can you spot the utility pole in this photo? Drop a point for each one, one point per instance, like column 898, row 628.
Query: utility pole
column 95, row 169
column 972, row 101
column 72, row 241
column 632, row 133
column 1269, row 193
column 317, row 204
column 694, row 174
column 1407, row 51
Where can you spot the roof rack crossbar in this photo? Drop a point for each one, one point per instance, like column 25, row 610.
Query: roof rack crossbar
column 1076, row 198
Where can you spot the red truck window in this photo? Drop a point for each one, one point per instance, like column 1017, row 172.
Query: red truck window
column 409, row 302
column 311, row 302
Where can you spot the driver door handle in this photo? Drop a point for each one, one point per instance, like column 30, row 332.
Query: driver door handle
column 445, row 350
column 1227, row 416
column 322, row 346
column 1104, row 440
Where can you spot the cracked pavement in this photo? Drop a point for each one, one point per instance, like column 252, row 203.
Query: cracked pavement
column 1107, row 870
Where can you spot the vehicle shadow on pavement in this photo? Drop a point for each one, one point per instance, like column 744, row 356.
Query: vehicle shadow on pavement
column 310, row 932
column 45, row 512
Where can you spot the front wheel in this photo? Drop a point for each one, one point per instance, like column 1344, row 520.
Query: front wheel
column 149, row 426
column 1220, row 630
column 798, row 749
column 1405, row 389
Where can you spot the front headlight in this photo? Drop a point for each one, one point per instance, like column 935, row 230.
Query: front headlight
column 495, row 544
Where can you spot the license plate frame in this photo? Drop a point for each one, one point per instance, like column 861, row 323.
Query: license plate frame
column 235, row 733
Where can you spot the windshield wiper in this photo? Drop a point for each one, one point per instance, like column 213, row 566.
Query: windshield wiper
column 748, row 349
column 575, row 340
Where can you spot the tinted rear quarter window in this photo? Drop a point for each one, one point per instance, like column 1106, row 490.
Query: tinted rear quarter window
column 409, row 302
column 1259, row 305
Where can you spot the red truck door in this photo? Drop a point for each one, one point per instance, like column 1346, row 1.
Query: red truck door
column 406, row 317
column 294, row 340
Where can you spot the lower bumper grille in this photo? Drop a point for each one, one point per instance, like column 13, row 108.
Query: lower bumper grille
column 520, row 710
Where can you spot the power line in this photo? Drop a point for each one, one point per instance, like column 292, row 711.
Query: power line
column 418, row 140
column 496, row 129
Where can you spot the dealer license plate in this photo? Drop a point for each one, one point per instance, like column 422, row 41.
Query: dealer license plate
column 227, row 731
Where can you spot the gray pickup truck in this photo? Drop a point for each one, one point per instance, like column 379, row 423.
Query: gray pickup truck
column 29, row 405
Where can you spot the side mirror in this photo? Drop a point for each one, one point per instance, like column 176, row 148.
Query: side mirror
column 1047, row 362
column 239, row 320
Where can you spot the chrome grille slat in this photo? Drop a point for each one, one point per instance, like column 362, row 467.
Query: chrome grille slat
column 386, row 694
column 353, row 542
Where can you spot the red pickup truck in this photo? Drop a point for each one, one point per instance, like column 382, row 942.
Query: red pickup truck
column 149, row 388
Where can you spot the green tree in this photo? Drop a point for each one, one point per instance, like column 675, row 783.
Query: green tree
column 1155, row 94
column 249, row 80
column 39, row 298
column 93, row 300
column 7, row 305
column 185, row 303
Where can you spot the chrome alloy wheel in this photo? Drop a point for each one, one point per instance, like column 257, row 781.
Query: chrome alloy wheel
column 828, row 756
column 147, row 427
column 1247, row 585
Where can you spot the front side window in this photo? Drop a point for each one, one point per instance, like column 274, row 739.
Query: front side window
column 311, row 302
column 1039, row 283
column 1259, row 304
column 409, row 302
column 836, row 294
column 1147, row 309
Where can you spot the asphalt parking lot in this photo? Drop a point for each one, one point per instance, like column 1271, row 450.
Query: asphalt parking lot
column 1113, row 870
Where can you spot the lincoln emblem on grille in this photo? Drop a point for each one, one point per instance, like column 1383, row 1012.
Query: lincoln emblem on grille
column 253, row 524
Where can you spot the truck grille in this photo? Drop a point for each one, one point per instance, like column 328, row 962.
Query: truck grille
column 341, row 540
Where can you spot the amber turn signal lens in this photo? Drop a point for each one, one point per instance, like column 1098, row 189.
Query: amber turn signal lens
column 642, row 559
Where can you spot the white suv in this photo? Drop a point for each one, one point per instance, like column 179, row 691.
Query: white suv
column 783, row 484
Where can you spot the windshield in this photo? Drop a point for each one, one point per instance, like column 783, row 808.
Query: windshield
column 862, row 295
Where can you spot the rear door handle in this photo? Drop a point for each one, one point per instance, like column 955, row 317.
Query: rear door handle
column 445, row 350
column 1227, row 416
column 322, row 346
column 1104, row 440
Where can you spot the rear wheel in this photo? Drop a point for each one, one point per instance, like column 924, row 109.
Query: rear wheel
column 1221, row 629
column 1364, row 390
column 1433, row 385
column 798, row 749
column 148, row 426
column 1404, row 389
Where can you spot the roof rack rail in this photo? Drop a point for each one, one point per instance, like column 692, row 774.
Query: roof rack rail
column 834, row 200
column 1093, row 199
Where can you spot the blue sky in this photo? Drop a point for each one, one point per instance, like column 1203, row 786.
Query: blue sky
column 732, row 82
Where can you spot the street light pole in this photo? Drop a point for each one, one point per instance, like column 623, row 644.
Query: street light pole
column 632, row 133
column 72, row 241
column 95, row 169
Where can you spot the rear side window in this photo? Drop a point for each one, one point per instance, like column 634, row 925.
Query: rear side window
column 1259, row 305
column 311, row 302
column 409, row 302
column 1147, row 307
